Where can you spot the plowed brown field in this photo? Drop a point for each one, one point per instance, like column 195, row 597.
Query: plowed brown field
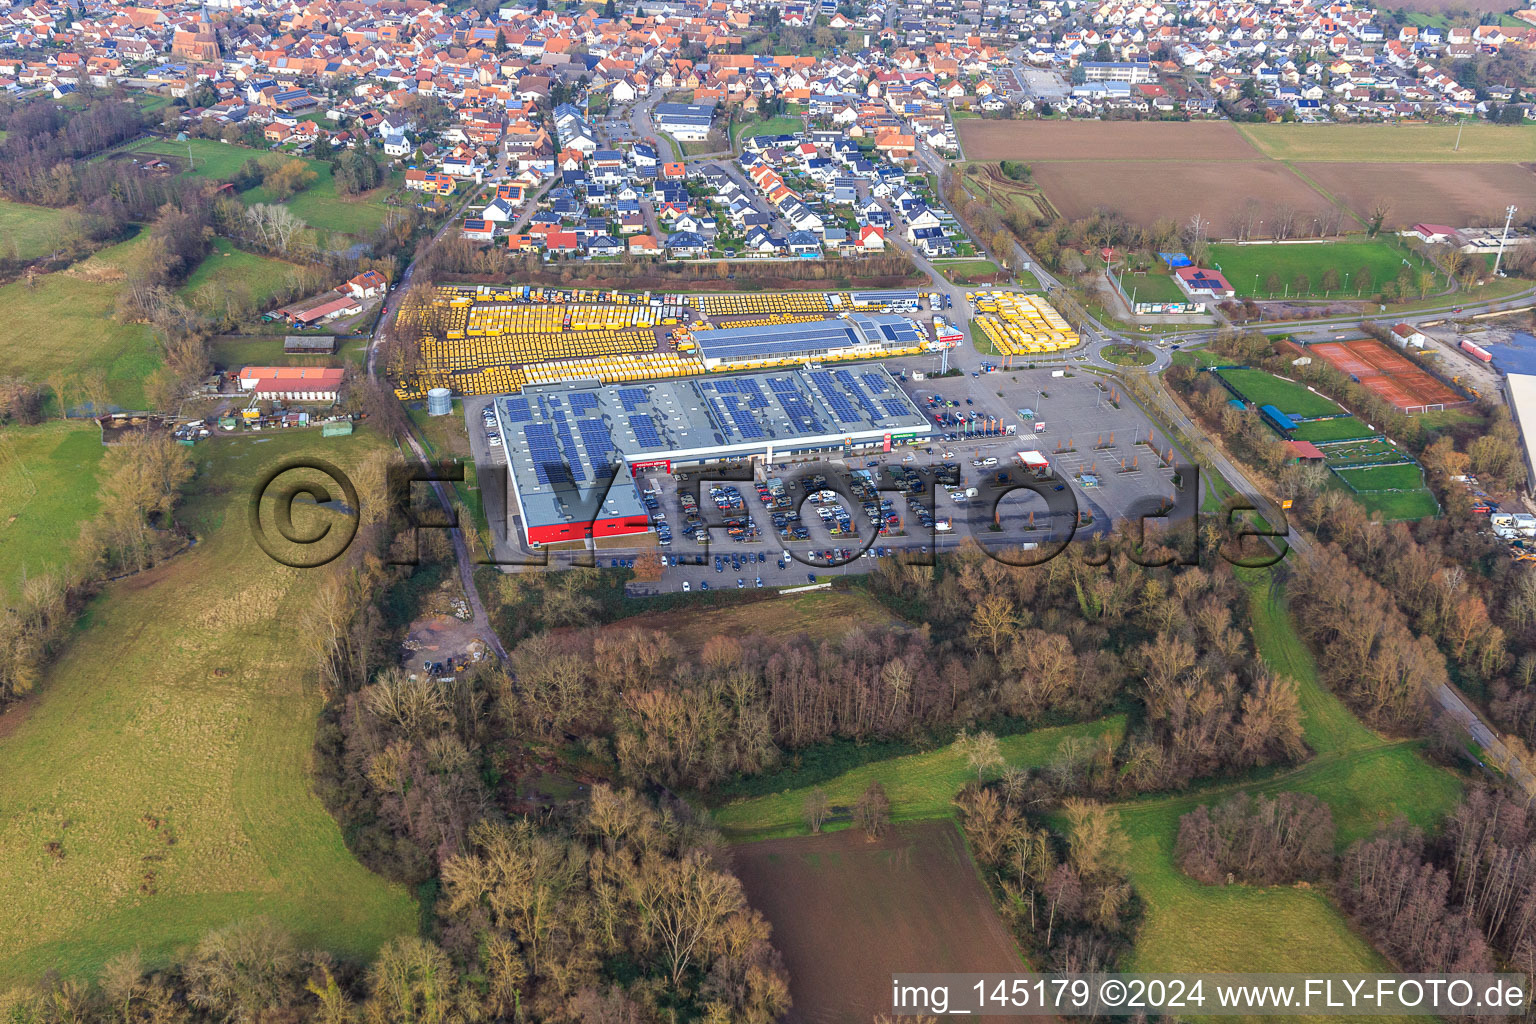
column 847, row 913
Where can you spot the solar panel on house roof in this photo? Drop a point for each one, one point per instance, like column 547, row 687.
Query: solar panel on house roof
column 632, row 398
column 517, row 410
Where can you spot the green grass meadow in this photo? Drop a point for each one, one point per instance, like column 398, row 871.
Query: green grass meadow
column 768, row 126
column 27, row 232
column 320, row 206
column 1393, row 143
column 65, row 322
column 228, row 268
column 919, row 785
column 48, row 480
column 1248, row 267
column 1365, row 779
column 168, row 752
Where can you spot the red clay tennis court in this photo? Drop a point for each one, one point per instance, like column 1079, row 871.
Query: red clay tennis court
column 1392, row 376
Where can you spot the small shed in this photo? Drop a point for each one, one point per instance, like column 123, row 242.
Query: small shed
column 309, row 344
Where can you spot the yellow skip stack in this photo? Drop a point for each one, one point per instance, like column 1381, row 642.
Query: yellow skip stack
column 1021, row 325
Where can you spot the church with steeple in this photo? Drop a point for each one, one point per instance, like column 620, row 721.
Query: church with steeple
column 201, row 45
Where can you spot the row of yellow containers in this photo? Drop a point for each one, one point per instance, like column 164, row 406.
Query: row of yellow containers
column 763, row 302
column 464, row 353
column 775, row 318
column 611, row 369
column 486, row 320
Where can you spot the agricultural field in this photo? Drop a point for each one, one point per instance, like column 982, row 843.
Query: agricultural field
column 28, row 231
column 1289, row 397
column 1248, row 267
column 1441, row 193
column 167, row 752
column 1340, row 428
column 1174, row 190
column 1217, row 169
column 228, row 269
column 1481, row 142
column 919, row 785
column 847, row 912
column 73, row 309
column 1065, row 141
column 48, row 479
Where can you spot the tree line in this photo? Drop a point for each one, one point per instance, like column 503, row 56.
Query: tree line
column 1065, row 895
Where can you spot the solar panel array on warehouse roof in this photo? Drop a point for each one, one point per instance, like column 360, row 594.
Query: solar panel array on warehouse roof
column 810, row 339
column 566, row 439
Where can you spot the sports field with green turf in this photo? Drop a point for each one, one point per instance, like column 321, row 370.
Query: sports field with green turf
column 1397, row 492
column 1394, row 143
column 1289, row 397
column 1384, row 478
column 1249, row 267
column 167, row 752
column 1338, row 429
column 1152, row 288
column 48, row 479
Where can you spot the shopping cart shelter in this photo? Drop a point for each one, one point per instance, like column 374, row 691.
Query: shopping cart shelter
column 573, row 448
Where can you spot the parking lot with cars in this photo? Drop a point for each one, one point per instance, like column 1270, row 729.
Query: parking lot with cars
column 806, row 519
